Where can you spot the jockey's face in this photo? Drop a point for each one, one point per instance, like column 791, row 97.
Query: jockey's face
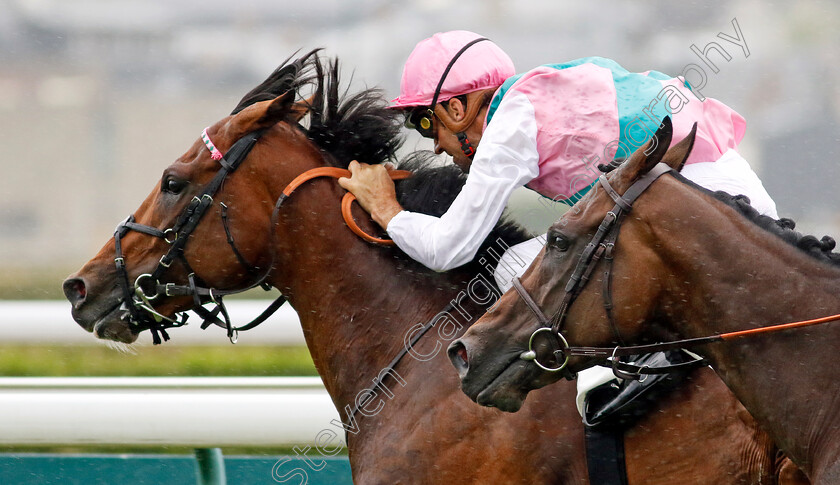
column 423, row 120
column 447, row 141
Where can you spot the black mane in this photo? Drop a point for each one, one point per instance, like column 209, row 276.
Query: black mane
column 821, row 249
column 344, row 127
column 289, row 76
column 361, row 127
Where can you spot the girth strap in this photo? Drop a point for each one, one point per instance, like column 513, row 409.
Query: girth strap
column 605, row 458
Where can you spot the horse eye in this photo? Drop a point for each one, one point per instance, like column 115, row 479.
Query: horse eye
column 174, row 185
column 558, row 241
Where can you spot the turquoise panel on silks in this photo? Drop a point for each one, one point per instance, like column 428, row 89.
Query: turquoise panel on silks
column 634, row 92
column 497, row 98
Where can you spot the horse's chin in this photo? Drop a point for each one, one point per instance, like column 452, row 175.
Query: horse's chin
column 507, row 392
column 114, row 325
column 116, row 330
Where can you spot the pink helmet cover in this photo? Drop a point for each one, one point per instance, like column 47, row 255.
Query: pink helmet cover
column 482, row 66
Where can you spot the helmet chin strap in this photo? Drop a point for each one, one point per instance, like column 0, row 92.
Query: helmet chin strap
column 466, row 146
column 475, row 101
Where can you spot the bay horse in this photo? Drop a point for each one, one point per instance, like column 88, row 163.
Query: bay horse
column 688, row 264
column 360, row 305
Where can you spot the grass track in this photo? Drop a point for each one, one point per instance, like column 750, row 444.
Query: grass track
column 161, row 360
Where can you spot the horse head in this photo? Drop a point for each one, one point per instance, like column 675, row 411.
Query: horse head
column 207, row 228
column 489, row 355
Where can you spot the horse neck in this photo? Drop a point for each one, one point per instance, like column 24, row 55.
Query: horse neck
column 729, row 274
column 356, row 301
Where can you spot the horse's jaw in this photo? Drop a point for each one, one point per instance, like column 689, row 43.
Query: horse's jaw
column 504, row 391
column 502, row 383
column 108, row 319
column 98, row 305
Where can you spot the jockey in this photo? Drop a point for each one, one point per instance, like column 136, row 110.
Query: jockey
column 547, row 129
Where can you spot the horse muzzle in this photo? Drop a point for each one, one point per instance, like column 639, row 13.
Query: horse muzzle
column 103, row 313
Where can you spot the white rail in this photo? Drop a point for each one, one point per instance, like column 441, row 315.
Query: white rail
column 198, row 412
column 49, row 322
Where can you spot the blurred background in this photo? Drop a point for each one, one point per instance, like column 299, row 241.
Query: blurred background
column 97, row 97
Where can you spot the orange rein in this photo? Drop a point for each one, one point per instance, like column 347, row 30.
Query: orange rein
column 619, row 351
column 348, row 199
column 778, row 327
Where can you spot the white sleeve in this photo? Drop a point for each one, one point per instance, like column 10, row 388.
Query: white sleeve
column 506, row 159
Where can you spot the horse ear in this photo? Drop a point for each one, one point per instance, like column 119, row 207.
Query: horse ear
column 657, row 147
column 678, row 154
column 301, row 108
column 264, row 114
column 277, row 110
column 647, row 156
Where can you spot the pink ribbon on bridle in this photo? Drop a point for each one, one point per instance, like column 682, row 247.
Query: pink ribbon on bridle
column 215, row 154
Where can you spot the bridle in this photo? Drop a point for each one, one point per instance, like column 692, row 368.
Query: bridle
column 601, row 246
column 138, row 298
column 138, row 302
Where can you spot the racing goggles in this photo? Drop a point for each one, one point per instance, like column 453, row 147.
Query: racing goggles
column 420, row 119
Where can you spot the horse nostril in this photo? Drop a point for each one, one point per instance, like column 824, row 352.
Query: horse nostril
column 458, row 355
column 462, row 353
column 75, row 290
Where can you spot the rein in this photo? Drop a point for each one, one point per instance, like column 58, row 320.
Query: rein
column 603, row 245
column 610, row 353
column 138, row 298
column 346, row 201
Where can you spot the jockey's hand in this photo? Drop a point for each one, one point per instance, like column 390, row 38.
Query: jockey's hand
column 374, row 190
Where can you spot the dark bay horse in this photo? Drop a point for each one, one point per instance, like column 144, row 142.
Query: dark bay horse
column 360, row 304
column 688, row 263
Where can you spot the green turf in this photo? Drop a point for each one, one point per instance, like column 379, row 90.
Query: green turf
column 162, row 360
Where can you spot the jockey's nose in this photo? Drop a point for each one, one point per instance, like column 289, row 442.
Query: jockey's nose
column 75, row 290
column 438, row 149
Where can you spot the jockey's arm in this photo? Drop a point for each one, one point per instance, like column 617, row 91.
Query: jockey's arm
column 505, row 160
